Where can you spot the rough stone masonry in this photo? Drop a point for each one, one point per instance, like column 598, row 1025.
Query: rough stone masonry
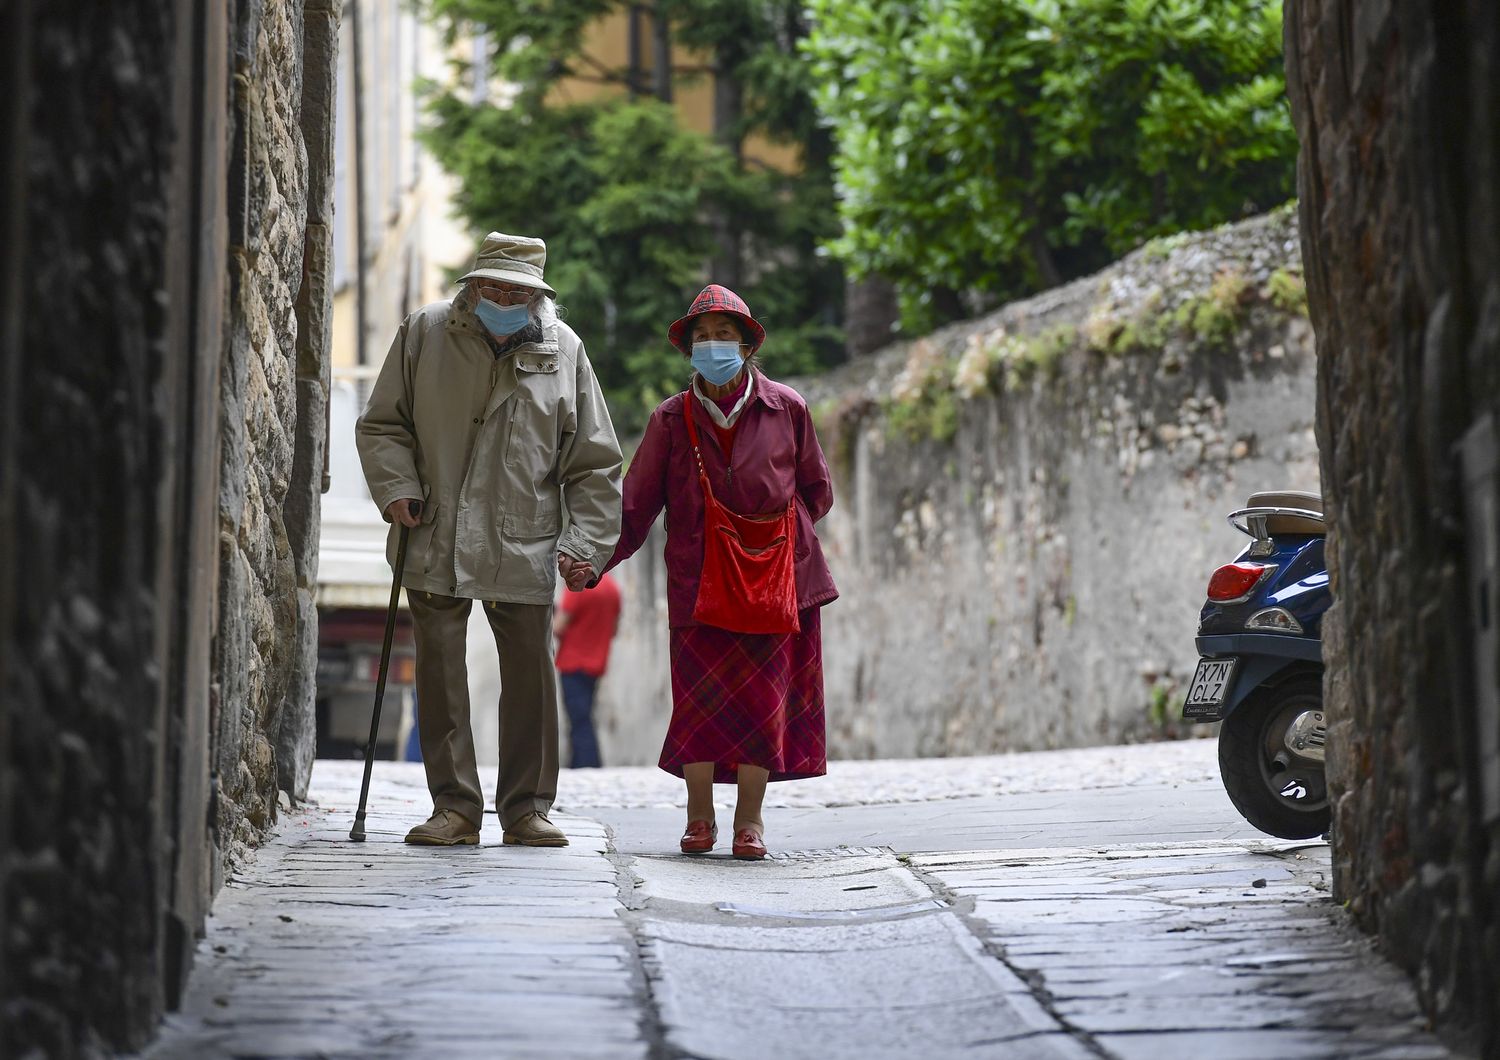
column 165, row 304
column 1397, row 104
column 274, row 392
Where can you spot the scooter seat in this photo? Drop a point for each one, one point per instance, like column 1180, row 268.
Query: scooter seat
column 1291, row 524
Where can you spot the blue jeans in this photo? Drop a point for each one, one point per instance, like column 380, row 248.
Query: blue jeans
column 578, row 699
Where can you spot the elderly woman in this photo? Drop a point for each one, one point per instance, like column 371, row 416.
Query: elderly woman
column 736, row 463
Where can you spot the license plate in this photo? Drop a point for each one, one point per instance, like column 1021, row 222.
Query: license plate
column 1210, row 685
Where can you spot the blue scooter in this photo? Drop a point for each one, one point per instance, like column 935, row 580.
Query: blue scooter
column 1261, row 666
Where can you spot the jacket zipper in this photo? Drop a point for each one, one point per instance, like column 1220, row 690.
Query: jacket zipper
column 463, row 487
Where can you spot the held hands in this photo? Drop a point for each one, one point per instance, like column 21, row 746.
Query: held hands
column 575, row 573
column 406, row 512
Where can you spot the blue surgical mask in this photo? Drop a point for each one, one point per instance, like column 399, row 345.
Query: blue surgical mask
column 717, row 360
column 502, row 319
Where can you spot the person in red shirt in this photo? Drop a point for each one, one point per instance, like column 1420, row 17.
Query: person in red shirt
column 585, row 624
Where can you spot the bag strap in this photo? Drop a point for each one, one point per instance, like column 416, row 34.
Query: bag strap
column 692, row 429
column 789, row 516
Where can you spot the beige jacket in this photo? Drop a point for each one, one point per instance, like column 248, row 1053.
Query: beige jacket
column 505, row 453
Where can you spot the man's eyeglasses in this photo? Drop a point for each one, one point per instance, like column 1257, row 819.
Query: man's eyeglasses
column 505, row 295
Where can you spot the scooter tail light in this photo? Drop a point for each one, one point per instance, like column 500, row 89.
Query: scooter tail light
column 1234, row 582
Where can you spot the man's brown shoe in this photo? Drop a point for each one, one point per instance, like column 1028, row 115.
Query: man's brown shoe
column 445, row 828
column 534, row 830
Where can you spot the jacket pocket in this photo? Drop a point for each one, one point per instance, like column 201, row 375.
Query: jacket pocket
column 803, row 546
column 528, row 549
column 534, row 409
column 428, row 529
column 540, row 362
column 545, row 523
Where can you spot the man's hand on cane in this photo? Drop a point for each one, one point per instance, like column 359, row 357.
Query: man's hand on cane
column 407, row 511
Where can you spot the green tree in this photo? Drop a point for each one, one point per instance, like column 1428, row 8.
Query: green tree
column 996, row 147
column 639, row 212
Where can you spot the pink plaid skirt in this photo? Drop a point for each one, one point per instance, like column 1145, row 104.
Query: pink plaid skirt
column 748, row 699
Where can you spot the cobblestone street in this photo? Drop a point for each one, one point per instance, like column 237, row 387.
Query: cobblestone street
column 1096, row 903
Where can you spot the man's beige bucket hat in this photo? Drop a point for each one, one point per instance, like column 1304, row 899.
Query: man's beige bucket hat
column 511, row 259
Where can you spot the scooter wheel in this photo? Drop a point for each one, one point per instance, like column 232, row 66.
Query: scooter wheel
column 1277, row 790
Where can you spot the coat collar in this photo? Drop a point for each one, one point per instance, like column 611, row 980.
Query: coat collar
column 765, row 390
column 761, row 389
column 534, row 338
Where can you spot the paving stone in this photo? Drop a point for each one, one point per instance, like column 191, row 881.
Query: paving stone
column 323, row 947
column 1079, row 915
column 1207, row 966
column 1219, row 1045
column 738, row 986
column 754, row 966
column 782, row 886
column 937, row 781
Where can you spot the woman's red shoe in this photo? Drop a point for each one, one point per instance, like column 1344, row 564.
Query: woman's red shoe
column 748, row 846
column 699, row 837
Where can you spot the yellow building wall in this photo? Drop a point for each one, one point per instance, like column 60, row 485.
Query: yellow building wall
column 344, row 353
column 607, row 42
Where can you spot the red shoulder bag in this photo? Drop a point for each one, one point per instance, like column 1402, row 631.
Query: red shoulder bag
column 749, row 583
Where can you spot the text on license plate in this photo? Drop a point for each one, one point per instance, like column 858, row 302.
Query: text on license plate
column 1210, row 682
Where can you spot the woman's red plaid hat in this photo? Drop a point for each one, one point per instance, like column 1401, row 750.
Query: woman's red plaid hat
column 715, row 298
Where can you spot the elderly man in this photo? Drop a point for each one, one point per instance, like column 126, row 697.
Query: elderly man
column 486, row 434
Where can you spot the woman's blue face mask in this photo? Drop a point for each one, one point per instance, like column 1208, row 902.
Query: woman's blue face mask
column 717, row 360
column 502, row 319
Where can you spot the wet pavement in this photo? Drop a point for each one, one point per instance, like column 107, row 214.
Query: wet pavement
column 1100, row 903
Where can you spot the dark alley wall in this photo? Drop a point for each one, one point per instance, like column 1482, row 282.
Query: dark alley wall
column 1397, row 105
column 164, row 303
column 85, row 356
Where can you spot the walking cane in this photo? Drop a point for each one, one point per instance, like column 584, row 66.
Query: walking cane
column 357, row 833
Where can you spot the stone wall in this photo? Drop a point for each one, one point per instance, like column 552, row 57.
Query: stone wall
column 82, row 885
column 275, row 378
column 295, row 736
column 155, row 239
column 1397, row 105
column 1030, row 505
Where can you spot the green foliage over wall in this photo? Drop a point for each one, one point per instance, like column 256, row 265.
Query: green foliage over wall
column 1287, row 290
column 995, row 147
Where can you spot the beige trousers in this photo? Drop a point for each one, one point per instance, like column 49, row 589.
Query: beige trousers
column 528, row 706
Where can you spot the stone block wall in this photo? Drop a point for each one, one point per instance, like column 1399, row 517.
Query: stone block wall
column 1030, row 505
column 81, row 946
column 164, row 371
column 274, row 390
column 1397, row 104
column 295, row 736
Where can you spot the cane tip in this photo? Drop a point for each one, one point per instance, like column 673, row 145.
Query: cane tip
column 357, row 833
